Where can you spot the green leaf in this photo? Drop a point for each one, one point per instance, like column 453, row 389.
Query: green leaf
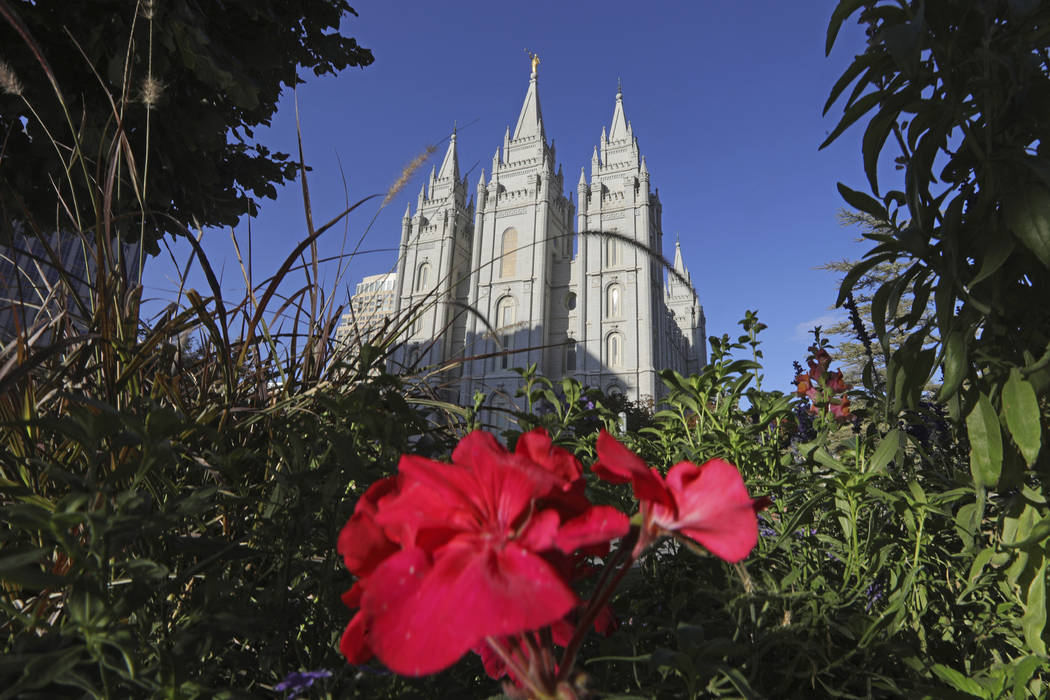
column 977, row 567
column 856, row 68
column 1034, row 533
column 854, row 112
column 1021, row 409
column 886, row 451
column 858, row 270
column 956, row 364
column 1028, row 215
column 1024, row 669
column 862, row 202
column 986, row 443
column 875, row 137
column 843, row 10
column 1034, row 620
column 958, row 681
column 997, row 251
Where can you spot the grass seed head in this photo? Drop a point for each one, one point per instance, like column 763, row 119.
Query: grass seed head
column 406, row 174
column 9, row 82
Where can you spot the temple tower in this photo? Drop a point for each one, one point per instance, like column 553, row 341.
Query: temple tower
column 433, row 266
column 522, row 248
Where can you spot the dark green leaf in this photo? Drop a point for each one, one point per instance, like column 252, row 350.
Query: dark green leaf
column 844, row 9
column 1021, row 409
column 959, row 681
column 886, row 451
column 854, row 112
column 986, row 443
column 956, row 364
column 1034, row 621
column 875, row 137
column 862, row 202
column 1028, row 215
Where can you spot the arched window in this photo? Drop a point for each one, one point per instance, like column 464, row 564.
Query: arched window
column 612, row 301
column 505, row 311
column 509, row 253
column 570, row 355
column 570, row 301
column 614, row 350
column 613, row 253
column 421, row 277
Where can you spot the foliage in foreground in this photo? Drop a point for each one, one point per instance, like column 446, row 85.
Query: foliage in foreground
column 171, row 514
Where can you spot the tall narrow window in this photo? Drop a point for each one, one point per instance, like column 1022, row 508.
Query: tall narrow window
column 570, row 355
column 612, row 301
column 612, row 252
column 421, row 277
column 504, row 320
column 509, row 253
column 614, row 350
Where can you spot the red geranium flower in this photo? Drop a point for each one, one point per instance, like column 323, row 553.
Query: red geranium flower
column 707, row 503
column 453, row 553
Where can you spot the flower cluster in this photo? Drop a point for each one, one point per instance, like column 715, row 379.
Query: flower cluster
column 482, row 554
column 825, row 389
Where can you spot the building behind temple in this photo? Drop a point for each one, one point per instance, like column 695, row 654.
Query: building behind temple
column 371, row 308
column 597, row 307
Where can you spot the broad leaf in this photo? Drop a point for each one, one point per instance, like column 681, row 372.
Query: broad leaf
column 1034, row 620
column 986, row 443
column 1021, row 409
column 1028, row 214
column 862, row 202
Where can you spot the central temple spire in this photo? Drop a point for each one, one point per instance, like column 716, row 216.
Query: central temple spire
column 530, row 121
column 618, row 131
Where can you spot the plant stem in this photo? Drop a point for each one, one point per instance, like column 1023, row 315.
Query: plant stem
column 606, row 585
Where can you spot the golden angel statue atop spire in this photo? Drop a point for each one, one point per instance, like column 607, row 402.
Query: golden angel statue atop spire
column 535, row 60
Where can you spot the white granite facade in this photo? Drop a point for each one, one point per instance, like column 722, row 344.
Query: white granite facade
column 543, row 281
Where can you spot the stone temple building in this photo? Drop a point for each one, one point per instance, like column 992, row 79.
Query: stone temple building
column 518, row 274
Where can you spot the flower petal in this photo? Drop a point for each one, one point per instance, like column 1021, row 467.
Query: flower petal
column 536, row 446
column 597, row 525
column 424, row 619
column 616, row 464
column 713, row 508
column 354, row 642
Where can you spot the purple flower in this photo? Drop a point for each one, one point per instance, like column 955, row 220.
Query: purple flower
column 298, row 681
column 874, row 594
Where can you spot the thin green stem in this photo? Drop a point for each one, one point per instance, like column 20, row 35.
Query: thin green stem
column 606, row 585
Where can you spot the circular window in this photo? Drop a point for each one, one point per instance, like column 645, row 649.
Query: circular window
column 570, row 301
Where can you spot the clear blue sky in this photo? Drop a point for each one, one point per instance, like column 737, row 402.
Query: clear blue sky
column 725, row 98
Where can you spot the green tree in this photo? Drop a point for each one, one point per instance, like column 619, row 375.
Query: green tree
column 962, row 90
column 855, row 347
column 167, row 95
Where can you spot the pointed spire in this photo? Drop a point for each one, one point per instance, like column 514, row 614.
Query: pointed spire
column 481, row 182
column 530, row 121
column 450, row 165
column 583, row 179
column 643, row 169
column 604, row 137
column 679, row 266
column 408, row 212
column 618, row 130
